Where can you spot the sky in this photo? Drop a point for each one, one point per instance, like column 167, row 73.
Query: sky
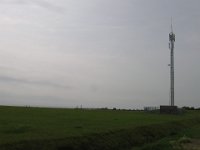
column 98, row 53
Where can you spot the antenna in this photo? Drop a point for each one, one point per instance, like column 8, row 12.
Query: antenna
column 171, row 40
column 171, row 26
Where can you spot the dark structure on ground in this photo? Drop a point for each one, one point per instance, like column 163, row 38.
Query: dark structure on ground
column 168, row 109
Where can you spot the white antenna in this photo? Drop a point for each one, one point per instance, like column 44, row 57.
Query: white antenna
column 171, row 26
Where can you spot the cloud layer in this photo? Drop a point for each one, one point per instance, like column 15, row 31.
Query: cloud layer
column 97, row 53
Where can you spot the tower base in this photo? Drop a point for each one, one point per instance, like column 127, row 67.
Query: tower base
column 168, row 109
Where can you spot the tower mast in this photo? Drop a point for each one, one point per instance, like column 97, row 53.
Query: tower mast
column 172, row 40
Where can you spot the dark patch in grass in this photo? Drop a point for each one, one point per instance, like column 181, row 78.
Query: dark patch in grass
column 78, row 127
column 19, row 129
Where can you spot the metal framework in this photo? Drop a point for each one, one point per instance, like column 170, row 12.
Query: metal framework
column 172, row 40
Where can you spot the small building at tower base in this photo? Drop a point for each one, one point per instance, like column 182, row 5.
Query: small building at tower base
column 165, row 109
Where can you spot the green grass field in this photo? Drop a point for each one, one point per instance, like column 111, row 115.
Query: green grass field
column 187, row 139
column 19, row 124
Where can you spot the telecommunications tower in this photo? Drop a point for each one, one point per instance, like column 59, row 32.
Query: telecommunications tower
column 171, row 47
column 170, row 109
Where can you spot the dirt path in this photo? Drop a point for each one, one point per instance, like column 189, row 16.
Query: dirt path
column 194, row 145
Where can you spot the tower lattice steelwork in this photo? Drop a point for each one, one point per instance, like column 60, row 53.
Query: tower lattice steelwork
column 172, row 41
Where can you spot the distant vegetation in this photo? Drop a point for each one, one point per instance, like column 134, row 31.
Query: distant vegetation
column 23, row 128
column 190, row 108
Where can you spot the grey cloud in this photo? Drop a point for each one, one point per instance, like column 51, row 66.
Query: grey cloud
column 47, row 5
column 34, row 82
column 41, row 3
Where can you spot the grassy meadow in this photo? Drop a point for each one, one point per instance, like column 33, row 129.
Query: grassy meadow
column 188, row 139
column 25, row 124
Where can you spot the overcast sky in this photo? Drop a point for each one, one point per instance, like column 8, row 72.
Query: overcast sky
column 98, row 53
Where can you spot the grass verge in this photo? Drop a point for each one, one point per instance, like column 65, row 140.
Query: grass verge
column 187, row 139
